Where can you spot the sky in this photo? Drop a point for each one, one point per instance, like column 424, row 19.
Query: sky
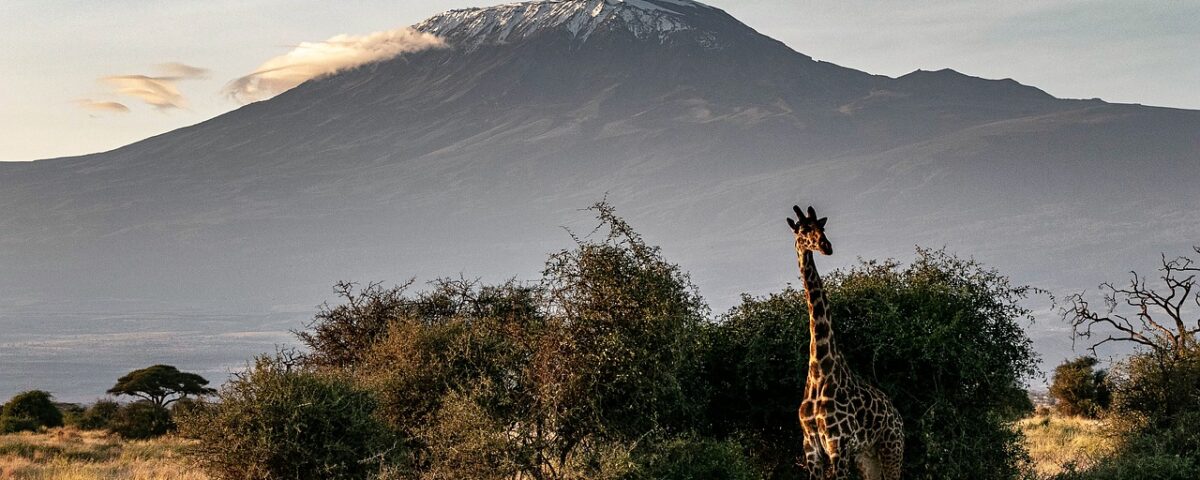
column 80, row 76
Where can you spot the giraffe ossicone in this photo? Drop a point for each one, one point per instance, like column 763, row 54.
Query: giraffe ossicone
column 846, row 420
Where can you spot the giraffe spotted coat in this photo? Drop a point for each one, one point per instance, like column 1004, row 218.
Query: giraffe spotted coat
column 847, row 422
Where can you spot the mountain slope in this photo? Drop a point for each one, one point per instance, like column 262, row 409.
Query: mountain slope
column 700, row 130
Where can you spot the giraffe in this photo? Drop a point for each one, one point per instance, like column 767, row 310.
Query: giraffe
column 844, row 418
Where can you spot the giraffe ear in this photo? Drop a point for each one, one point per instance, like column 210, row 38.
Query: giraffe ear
column 821, row 222
column 792, row 223
column 812, row 214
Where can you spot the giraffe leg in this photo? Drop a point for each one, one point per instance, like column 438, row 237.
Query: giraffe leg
column 839, row 463
column 869, row 467
column 814, row 458
column 814, row 461
column 840, row 466
column 891, row 457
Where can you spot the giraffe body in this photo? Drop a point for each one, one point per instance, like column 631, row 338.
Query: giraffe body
column 848, row 423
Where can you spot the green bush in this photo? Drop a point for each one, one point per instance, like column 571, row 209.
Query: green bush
column 72, row 413
column 28, row 411
column 693, row 458
column 1156, row 413
column 755, row 364
column 563, row 376
column 1079, row 389
column 141, row 420
column 276, row 421
column 628, row 356
column 99, row 415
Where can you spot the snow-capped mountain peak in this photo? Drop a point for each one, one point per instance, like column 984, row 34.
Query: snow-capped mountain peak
column 472, row 28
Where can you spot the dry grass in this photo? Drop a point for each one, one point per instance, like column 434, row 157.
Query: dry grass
column 1055, row 441
column 69, row 454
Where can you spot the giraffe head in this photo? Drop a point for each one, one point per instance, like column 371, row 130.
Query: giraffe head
column 810, row 232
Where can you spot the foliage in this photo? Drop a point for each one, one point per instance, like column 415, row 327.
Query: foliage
column 555, row 380
column 627, row 360
column 99, row 415
column 943, row 338
column 339, row 335
column 469, row 354
column 141, row 420
column 71, row 413
column 278, row 421
column 1079, row 389
column 160, row 385
column 1156, row 414
column 754, row 363
column 1156, row 392
column 693, row 458
column 30, row 410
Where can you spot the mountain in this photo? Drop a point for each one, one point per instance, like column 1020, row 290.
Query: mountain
column 468, row 159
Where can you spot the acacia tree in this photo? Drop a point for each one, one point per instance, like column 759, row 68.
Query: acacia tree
column 1155, row 319
column 161, row 385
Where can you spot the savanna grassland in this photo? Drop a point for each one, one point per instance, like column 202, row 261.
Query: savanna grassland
column 1055, row 442
column 72, row 454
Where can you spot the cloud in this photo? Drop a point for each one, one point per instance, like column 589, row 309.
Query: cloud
column 158, row 91
column 315, row 59
column 181, row 71
column 101, row 106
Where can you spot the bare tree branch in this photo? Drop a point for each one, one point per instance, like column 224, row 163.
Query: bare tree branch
column 1157, row 317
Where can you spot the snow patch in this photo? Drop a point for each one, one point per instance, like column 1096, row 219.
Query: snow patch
column 647, row 19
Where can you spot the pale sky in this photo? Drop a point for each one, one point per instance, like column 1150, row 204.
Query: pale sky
column 70, row 69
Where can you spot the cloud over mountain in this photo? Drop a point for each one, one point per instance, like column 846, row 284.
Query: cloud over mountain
column 161, row 92
column 314, row 59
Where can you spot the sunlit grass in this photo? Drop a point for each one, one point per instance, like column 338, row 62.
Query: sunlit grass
column 1055, row 442
column 70, row 454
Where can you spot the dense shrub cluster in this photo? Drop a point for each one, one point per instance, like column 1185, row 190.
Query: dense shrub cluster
column 1079, row 389
column 30, row 411
column 1156, row 412
column 99, row 415
column 612, row 367
column 274, row 422
column 141, row 420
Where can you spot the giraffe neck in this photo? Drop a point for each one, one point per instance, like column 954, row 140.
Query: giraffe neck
column 822, row 353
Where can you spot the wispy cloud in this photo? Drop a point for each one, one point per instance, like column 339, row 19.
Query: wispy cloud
column 101, row 106
column 158, row 92
column 181, row 70
column 315, row 59
column 161, row 91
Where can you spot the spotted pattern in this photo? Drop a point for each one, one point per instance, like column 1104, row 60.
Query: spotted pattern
column 848, row 423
